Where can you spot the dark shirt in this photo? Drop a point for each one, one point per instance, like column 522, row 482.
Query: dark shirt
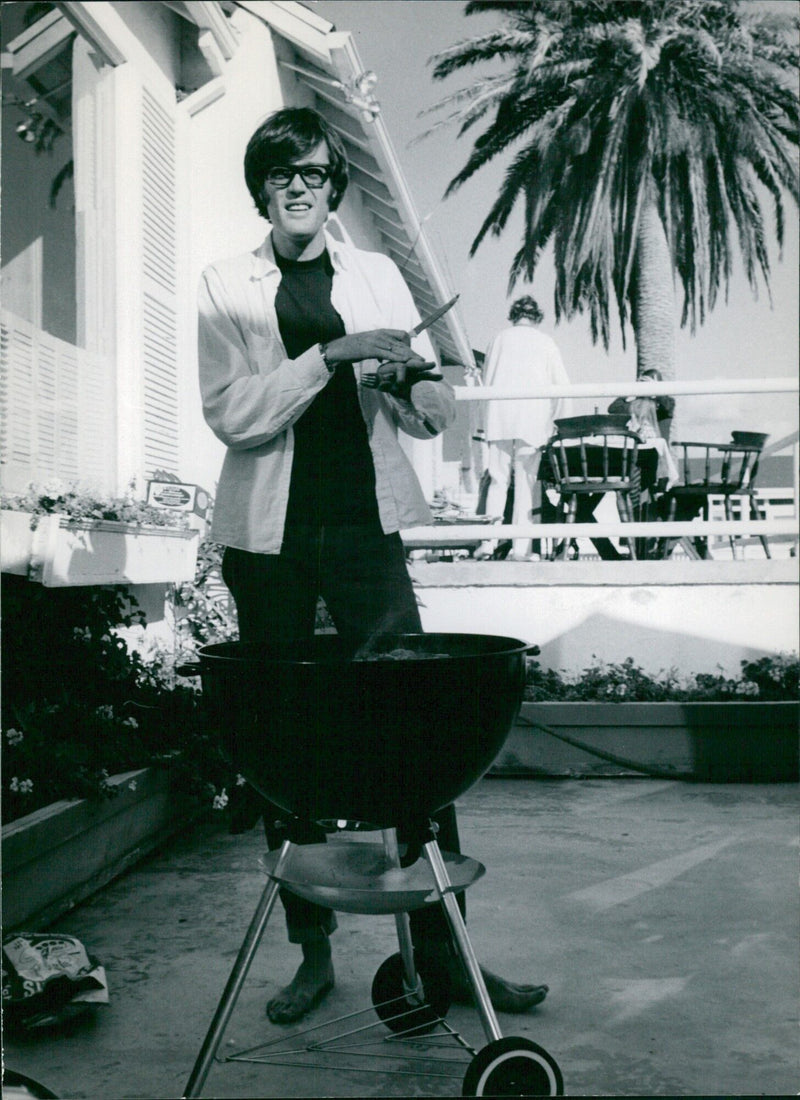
column 333, row 477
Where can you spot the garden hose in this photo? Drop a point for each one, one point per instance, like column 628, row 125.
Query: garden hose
column 612, row 758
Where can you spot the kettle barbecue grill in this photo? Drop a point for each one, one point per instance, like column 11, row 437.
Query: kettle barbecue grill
column 378, row 742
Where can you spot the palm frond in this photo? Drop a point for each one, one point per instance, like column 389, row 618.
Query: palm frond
column 466, row 96
column 471, row 105
column 610, row 110
column 514, row 119
column 490, row 47
column 530, row 163
column 511, row 7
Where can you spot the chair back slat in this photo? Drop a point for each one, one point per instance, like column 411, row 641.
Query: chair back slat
column 595, row 460
column 727, row 468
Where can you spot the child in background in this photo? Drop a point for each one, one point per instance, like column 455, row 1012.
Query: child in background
column 650, row 418
column 647, row 415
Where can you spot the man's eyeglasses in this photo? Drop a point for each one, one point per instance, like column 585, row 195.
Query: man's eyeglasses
column 312, row 175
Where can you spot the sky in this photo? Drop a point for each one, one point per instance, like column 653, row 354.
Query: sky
column 745, row 338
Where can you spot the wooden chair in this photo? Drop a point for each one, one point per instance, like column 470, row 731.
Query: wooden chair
column 713, row 469
column 590, row 456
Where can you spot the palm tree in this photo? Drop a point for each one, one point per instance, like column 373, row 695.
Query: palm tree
column 645, row 135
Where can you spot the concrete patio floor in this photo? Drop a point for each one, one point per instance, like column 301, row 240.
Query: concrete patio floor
column 663, row 916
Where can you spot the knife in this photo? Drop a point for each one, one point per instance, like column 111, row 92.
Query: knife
column 431, row 319
column 370, row 381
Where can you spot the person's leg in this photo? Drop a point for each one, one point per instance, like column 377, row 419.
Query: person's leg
column 276, row 598
column 368, row 591
column 585, row 514
column 366, row 586
column 430, row 933
column 275, row 603
column 526, row 470
column 499, row 468
column 308, row 925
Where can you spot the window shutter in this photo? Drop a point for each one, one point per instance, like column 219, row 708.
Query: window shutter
column 159, row 286
column 16, row 424
column 55, row 401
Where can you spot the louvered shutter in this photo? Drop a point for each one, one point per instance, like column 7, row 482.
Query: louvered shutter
column 159, row 286
column 16, row 423
column 55, row 409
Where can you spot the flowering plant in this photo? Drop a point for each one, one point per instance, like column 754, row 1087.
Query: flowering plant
column 768, row 679
column 80, row 506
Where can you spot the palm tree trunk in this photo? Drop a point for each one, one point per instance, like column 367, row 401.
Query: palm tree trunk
column 653, row 297
column 653, row 312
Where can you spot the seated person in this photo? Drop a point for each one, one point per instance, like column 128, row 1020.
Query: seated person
column 649, row 417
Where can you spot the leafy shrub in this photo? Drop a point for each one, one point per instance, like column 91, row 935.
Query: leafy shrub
column 770, row 679
column 78, row 705
column 204, row 612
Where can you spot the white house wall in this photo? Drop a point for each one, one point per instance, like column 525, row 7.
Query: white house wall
column 157, row 29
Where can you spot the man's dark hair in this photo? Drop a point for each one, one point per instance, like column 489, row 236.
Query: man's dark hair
column 283, row 138
column 525, row 307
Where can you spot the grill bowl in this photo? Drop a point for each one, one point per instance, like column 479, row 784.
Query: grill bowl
column 385, row 742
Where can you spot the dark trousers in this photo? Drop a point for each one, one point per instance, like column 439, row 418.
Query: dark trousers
column 361, row 574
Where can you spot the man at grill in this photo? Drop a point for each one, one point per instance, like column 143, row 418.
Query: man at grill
column 315, row 487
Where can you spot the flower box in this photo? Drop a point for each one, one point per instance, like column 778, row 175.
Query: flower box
column 720, row 742
column 59, row 855
column 16, row 542
column 62, row 552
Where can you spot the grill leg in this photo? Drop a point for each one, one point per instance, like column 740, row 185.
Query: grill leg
column 236, row 980
column 403, row 924
column 459, row 930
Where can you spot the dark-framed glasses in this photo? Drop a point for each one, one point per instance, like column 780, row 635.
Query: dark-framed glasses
column 312, row 175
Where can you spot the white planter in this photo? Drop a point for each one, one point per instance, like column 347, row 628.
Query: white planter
column 60, row 552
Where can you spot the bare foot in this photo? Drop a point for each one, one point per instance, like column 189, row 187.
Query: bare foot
column 505, row 996
column 314, row 978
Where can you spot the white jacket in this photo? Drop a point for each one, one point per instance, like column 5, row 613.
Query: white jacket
column 523, row 357
column 252, row 393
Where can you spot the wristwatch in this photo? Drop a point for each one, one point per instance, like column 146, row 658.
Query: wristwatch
column 323, row 350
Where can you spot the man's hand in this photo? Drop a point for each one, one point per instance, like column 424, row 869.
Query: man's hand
column 398, row 378
column 388, row 344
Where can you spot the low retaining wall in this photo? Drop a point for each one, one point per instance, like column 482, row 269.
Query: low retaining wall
column 59, row 855
column 693, row 616
column 708, row 742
